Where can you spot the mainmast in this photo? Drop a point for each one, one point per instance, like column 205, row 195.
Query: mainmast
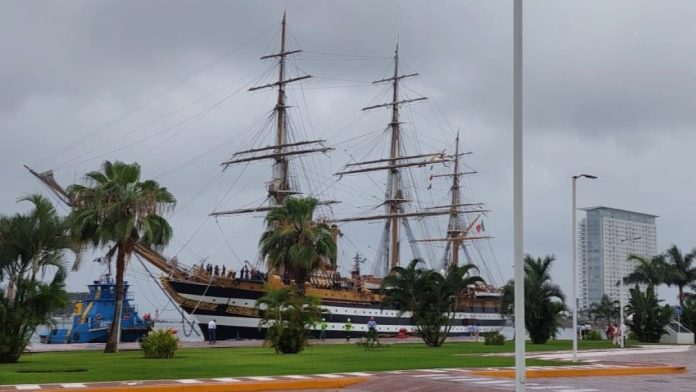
column 395, row 197
column 395, row 194
column 279, row 188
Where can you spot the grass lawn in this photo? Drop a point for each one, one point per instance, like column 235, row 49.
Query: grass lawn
column 84, row 366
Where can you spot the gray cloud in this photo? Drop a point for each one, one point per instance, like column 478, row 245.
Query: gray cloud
column 609, row 88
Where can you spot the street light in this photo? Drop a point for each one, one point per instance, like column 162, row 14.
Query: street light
column 621, row 291
column 517, row 182
column 573, row 297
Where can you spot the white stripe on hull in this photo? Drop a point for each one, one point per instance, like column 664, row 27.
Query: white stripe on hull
column 337, row 310
column 253, row 322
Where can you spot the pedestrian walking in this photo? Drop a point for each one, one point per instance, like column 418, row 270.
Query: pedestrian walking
column 323, row 326
column 348, row 326
column 211, row 331
column 616, row 335
column 623, row 330
column 471, row 330
column 372, row 325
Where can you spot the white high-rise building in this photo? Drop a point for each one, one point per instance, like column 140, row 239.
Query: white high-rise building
column 606, row 237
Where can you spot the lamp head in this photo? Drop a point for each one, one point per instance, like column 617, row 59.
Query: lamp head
column 590, row 176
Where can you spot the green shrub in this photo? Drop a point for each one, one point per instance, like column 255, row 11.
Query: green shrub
column 493, row 339
column 371, row 341
column 593, row 335
column 288, row 317
column 160, row 344
column 648, row 317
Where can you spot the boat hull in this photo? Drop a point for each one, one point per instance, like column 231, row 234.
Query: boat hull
column 233, row 309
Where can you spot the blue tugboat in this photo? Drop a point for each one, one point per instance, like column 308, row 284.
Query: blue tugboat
column 93, row 315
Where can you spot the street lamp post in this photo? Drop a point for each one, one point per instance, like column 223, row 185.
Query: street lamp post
column 518, row 216
column 621, row 292
column 573, row 297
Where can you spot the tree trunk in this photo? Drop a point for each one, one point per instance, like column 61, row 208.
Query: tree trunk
column 10, row 290
column 115, row 331
column 681, row 296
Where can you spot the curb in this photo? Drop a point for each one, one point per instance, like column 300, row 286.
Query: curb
column 227, row 387
column 587, row 372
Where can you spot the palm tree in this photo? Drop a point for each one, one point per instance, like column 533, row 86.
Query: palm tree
column 295, row 244
column 30, row 243
column 681, row 270
column 605, row 310
column 650, row 271
column 430, row 296
column 116, row 209
column 544, row 300
column 401, row 288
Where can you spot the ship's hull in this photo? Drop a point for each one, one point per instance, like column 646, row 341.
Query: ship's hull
column 232, row 306
column 75, row 335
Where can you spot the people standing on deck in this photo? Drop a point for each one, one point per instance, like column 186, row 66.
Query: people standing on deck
column 323, row 326
column 222, row 273
column 348, row 326
column 209, row 269
column 217, row 270
column 211, row 331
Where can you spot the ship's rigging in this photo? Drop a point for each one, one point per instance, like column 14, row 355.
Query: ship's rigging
column 401, row 211
column 396, row 199
column 279, row 188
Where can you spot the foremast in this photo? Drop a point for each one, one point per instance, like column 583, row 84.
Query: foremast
column 280, row 187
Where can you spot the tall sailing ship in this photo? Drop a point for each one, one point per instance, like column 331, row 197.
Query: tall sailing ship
column 231, row 299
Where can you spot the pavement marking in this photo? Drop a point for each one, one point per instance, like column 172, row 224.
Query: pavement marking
column 467, row 379
column 262, row 378
column 226, row 379
column 188, row 381
column 361, row 374
column 74, row 385
column 577, row 390
column 492, row 382
column 431, row 370
column 329, row 375
column 27, row 386
column 298, row 377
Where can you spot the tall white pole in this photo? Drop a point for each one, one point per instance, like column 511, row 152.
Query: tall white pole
column 520, row 377
column 621, row 304
column 573, row 293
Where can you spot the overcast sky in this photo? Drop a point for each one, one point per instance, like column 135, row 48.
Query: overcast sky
column 610, row 89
